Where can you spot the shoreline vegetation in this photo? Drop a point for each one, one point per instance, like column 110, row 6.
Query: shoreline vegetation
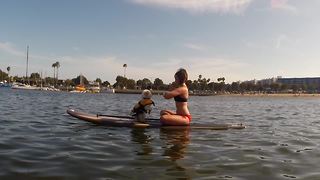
column 197, row 87
column 160, row 92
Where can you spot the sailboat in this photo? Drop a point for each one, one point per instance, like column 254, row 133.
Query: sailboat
column 80, row 88
column 25, row 86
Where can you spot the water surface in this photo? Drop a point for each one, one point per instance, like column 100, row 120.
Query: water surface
column 40, row 141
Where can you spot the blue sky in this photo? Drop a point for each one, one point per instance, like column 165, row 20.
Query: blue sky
column 235, row 39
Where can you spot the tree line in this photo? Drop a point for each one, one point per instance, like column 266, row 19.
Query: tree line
column 200, row 85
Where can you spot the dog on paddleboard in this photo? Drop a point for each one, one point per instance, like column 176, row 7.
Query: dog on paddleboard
column 143, row 107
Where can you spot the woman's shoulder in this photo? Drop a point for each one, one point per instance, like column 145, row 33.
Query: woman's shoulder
column 183, row 89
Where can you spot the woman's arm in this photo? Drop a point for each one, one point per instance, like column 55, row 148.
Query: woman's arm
column 173, row 93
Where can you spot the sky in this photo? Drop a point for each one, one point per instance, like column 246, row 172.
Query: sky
column 236, row 39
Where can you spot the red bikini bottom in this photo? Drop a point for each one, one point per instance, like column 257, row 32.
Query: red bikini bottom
column 189, row 117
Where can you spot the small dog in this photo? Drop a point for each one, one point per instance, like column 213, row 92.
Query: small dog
column 143, row 106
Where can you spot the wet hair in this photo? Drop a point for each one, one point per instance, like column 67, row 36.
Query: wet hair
column 181, row 75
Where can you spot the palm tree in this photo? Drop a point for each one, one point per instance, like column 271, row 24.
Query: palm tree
column 222, row 83
column 54, row 65
column 8, row 69
column 125, row 68
column 221, row 79
column 57, row 66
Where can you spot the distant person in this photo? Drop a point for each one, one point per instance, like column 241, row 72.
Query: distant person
column 143, row 107
column 180, row 94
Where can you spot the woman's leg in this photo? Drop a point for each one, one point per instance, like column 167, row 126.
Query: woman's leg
column 174, row 120
column 166, row 112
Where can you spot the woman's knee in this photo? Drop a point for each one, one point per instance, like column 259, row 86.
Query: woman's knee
column 164, row 112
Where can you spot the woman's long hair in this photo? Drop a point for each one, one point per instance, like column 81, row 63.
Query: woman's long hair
column 182, row 76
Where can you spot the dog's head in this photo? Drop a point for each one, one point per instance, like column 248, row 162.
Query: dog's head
column 146, row 94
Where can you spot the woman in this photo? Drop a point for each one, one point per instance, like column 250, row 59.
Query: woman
column 180, row 94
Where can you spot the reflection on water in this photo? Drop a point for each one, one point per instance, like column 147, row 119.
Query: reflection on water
column 138, row 135
column 40, row 141
column 176, row 142
column 176, row 145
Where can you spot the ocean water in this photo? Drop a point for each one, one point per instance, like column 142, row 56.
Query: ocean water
column 39, row 140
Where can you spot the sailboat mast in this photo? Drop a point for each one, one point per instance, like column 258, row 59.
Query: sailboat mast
column 27, row 65
column 81, row 80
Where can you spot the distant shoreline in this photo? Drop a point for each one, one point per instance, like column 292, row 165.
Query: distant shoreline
column 160, row 92
column 273, row 95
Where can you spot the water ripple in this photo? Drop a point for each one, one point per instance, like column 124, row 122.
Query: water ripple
column 40, row 141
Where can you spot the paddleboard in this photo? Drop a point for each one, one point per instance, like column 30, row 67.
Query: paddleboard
column 127, row 121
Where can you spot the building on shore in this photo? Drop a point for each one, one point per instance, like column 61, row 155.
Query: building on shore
column 307, row 81
column 300, row 81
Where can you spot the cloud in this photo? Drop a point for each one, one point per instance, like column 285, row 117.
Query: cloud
column 200, row 6
column 209, row 67
column 280, row 39
column 108, row 67
column 8, row 48
column 283, row 5
column 75, row 48
column 195, row 46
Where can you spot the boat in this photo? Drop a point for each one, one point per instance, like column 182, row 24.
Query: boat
column 108, row 90
column 80, row 88
column 5, row 84
column 128, row 121
column 24, row 86
column 94, row 87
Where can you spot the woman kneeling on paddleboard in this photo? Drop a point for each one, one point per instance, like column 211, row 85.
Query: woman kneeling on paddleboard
column 180, row 94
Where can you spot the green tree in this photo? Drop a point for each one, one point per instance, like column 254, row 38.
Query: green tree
column 235, row 87
column 147, row 84
column 221, row 80
column 57, row 66
column 295, row 87
column 54, row 65
column 77, row 80
column 211, row 86
column 312, row 87
column 139, row 83
column 69, row 82
column 17, row 79
column 158, row 84
column 131, row 84
column 98, row 80
column 243, row 87
column 3, row 75
column 125, row 69
column 199, row 78
column 275, row 87
column 8, row 69
column 34, row 77
column 106, row 83
column 196, row 85
column 49, row 81
column 120, row 82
